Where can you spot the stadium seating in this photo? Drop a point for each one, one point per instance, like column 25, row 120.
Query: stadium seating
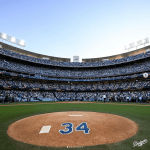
column 28, row 78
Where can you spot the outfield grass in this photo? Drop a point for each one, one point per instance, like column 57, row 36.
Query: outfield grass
column 136, row 112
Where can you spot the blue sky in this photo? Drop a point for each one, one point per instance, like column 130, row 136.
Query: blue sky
column 87, row 28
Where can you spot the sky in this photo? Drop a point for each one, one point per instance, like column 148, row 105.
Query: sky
column 86, row 28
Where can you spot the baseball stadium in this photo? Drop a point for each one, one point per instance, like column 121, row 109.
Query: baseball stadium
column 49, row 102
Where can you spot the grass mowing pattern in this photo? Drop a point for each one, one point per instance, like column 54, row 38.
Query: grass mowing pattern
column 139, row 114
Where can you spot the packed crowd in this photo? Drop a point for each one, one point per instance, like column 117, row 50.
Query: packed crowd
column 79, row 86
column 14, row 74
column 126, row 96
column 14, row 68
column 90, row 73
column 74, row 64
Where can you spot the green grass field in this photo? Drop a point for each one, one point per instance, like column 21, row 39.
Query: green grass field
column 136, row 112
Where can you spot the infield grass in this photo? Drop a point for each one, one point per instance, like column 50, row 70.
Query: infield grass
column 136, row 112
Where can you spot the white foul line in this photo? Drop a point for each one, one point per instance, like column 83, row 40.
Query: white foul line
column 75, row 115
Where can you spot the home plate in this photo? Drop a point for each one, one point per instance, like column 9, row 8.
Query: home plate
column 45, row 129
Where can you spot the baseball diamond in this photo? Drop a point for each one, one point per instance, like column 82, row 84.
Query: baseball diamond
column 91, row 128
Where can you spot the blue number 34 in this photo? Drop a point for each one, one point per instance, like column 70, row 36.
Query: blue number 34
column 83, row 127
column 80, row 127
column 69, row 127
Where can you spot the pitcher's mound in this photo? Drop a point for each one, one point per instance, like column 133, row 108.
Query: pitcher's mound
column 74, row 128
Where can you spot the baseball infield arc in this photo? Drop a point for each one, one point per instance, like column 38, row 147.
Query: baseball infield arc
column 104, row 128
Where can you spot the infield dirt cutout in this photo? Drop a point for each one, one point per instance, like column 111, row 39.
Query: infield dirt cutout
column 102, row 128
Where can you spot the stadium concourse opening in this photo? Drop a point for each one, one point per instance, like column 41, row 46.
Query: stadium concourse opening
column 72, row 129
column 32, row 78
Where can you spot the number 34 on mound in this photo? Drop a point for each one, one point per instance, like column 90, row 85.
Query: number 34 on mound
column 68, row 128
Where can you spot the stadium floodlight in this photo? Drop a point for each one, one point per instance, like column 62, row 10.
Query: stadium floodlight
column 125, row 47
column 140, row 42
column 131, row 45
column 8, row 38
column 13, row 39
column 17, row 41
column 22, row 43
column 146, row 40
column 4, row 36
